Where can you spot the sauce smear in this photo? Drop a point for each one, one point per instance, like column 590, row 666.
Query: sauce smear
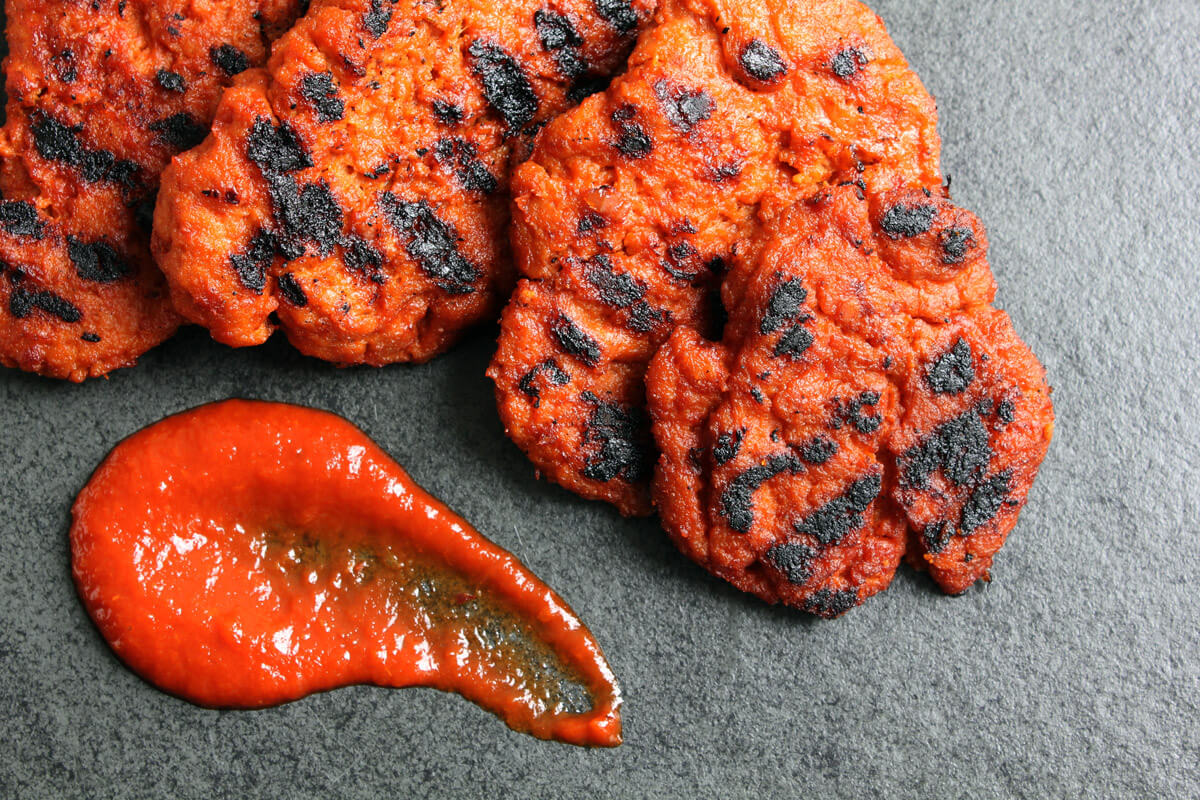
column 243, row 554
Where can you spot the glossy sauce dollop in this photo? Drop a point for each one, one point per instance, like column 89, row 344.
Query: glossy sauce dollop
column 244, row 554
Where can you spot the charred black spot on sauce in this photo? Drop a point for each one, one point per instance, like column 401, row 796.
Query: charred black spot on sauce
column 622, row 434
column 558, row 36
column 953, row 371
column 1006, row 411
column 762, row 62
column 959, row 448
column 681, row 262
column 376, row 20
column 505, row 85
column 617, row 289
column 906, row 220
column 318, row 88
column 794, row 342
column 171, row 81
column 684, row 108
column 447, row 113
column 727, row 446
column 432, row 243
column 846, row 63
column 64, row 65
column 291, row 290
column 818, row 450
column 307, row 214
column 784, row 305
column 180, row 131
column 229, row 59
column 57, row 142
column 587, row 85
column 737, row 500
column 984, row 502
column 618, row 13
column 590, row 221
column 794, row 560
column 555, row 376
column 955, row 244
column 829, row 603
column 936, row 536
column 251, row 265
column 276, row 148
column 90, row 338
column 362, row 257
column 851, row 411
column 23, row 302
column 834, row 521
column 575, row 341
column 463, row 157
column 97, row 261
column 19, row 218
column 632, row 140
column 720, row 173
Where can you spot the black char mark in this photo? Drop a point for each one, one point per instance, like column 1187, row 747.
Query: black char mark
column 959, row 448
column 784, row 306
column 57, row 142
column 737, row 501
column 251, row 265
column 376, row 20
column 684, row 108
column 818, row 450
column 559, row 37
column 180, row 131
column 762, row 62
column 292, row 291
column 794, row 560
column 447, row 113
column 463, row 157
column 829, row 603
column 23, row 302
column 318, row 88
column 622, row 434
column 618, row 13
column 229, row 59
column 632, row 139
column 955, row 244
column 305, row 214
column 432, row 243
column 727, row 446
column 936, row 536
column 852, row 411
column 362, row 257
column 953, row 371
column 554, row 376
column 505, row 85
column 984, row 502
column 19, row 218
column 171, row 81
column 573, row 340
column 276, row 148
column 97, row 261
column 846, row 63
column 834, row 521
column 904, row 220
column 591, row 221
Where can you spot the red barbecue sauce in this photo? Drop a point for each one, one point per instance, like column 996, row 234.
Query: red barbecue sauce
column 244, row 554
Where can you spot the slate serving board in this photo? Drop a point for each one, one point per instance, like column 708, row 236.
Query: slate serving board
column 1069, row 127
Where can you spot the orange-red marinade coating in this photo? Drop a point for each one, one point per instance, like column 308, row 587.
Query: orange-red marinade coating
column 370, row 162
column 100, row 96
column 244, row 554
column 863, row 389
column 633, row 203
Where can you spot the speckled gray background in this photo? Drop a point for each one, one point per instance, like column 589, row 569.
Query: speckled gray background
column 1070, row 128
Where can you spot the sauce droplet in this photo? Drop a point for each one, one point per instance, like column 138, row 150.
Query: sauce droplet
column 244, row 554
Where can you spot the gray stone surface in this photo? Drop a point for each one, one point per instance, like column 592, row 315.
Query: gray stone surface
column 1070, row 129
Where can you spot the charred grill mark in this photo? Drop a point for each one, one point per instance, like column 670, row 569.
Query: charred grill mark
column 307, row 214
column 251, row 265
column 762, row 62
column 64, row 65
column 785, row 305
column 720, row 173
column 680, row 256
column 685, row 109
column 727, row 446
column 291, row 290
column 818, row 450
column 936, row 536
column 590, row 221
column 955, row 244
column 19, row 218
column 953, row 371
column 622, row 434
column 618, row 13
column 794, row 342
column 984, row 502
column 737, row 500
column 229, row 59
column 617, row 289
column 375, row 20
column 846, row 63
column 906, row 220
column 318, row 88
column 794, row 560
column 23, row 302
column 276, row 149
column 98, row 262
column 171, row 81
column 362, row 257
column 559, row 37
column 632, row 140
column 574, row 341
column 505, row 86
column 959, row 448
column 179, row 131
column 431, row 243
column 55, row 141
column 555, row 376
column 463, row 157
column 851, row 411
column 834, row 521
column 447, row 113
column 830, row 603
